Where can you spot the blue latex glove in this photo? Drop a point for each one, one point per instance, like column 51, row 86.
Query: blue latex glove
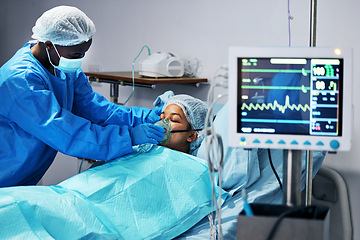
column 146, row 133
column 154, row 115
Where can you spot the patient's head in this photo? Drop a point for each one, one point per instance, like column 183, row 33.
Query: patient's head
column 185, row 113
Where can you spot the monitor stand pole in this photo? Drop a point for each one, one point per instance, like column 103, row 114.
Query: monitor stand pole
column 292, row 178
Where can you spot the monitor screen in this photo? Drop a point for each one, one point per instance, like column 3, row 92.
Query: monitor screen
column 290, row 98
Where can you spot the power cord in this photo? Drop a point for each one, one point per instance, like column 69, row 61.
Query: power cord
column 274, row 170
column 309, row 212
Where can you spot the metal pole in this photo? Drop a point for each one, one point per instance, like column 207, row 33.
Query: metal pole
column 292, row 178
column 313, row 17
column 309, row 154
column 114, row 92
column 309, row 170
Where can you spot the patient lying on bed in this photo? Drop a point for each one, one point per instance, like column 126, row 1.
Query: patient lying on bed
column 187, row 116
column 154, row 195
column 159, row 193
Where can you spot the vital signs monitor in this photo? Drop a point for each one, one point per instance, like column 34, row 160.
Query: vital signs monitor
column 290, row 98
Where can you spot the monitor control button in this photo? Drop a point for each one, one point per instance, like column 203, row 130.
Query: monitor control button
column 281, row 142
column 334, row 144
column 269, row 142
column 242, row 139
column 256, row 141
column 307, row 143
column 320, row 143
column 294, row 143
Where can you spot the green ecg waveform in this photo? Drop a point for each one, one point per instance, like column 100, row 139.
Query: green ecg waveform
column 276, row 105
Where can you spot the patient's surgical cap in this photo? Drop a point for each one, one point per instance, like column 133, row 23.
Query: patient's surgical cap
column 64, row 26
column 195, row 112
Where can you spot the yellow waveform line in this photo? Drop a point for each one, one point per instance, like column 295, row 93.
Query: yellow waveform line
column 276, row 105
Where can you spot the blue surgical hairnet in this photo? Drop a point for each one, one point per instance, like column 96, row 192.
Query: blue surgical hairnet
column 64, row 26
column 195, row 112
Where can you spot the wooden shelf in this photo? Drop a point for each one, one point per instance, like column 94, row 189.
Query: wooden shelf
column 126, row 77
column 117, row 79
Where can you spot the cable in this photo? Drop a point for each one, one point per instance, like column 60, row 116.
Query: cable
column 306, row 210
column 133, row 72
column 274, row 170
column 82, row 160
column 247, row 208
column 215, row 154
column 213, row 146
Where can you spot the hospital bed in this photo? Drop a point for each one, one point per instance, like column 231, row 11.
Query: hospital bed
column 250, row 170
column 330, row 189
column 155, row 194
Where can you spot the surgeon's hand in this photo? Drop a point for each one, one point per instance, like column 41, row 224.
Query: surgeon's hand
column 146, row 133
column 154, row 115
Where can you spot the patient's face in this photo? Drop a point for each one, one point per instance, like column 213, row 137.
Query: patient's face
column 181, row 140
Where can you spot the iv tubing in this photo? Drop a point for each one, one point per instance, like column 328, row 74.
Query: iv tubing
column 133, row 72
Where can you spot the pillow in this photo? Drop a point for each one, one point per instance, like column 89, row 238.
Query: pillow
column 240, row 167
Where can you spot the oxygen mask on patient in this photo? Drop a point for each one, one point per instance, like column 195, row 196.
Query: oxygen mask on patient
column 166, row 124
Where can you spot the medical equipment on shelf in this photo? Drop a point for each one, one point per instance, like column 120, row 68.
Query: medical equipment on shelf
column 162, row 64
column 166, row 124
column 290, row 98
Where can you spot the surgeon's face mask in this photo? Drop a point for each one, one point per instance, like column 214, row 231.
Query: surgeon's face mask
column 66, row 65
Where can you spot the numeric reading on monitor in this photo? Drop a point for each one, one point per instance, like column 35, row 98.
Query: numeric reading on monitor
column 290, row 96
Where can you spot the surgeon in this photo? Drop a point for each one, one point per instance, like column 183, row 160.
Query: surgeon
column 48, row 106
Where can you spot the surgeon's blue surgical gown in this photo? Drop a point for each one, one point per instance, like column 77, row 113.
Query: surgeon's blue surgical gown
column 41, row 114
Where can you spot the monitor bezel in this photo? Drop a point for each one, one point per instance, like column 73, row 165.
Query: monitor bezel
column 246, row 140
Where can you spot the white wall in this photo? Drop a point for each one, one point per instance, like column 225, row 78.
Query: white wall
column 202, row 29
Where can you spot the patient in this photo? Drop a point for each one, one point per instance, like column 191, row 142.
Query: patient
column 157, row 194
column 187, row 116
